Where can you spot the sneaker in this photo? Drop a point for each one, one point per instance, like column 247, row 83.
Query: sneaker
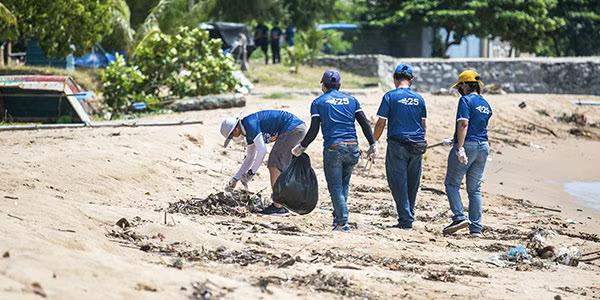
column 271, row 210
column 476, row 235
column 455, row 226
column 342, row 228
column 405, row 227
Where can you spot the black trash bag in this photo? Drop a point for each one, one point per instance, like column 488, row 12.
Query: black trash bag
column 297, row 187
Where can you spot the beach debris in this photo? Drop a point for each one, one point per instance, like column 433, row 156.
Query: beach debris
column 581, row 235
column 517, row 254
column 11, row 197
column 580, row 132
column 207, row 290
column 16, row 217
column 370, row 189
column 6, row 254
column 37, row 289
column 576, row 118
column 522, row 105
column 238, row 204
column 568, row 256
column 123, row 223
column 443, row 276
column 320, row 281
column 496, row 261
column 140, row 286
column 542, row 112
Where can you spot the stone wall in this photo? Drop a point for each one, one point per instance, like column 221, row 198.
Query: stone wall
column 516, row 75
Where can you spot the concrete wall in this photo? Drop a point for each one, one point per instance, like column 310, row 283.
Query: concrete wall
column 572, row 75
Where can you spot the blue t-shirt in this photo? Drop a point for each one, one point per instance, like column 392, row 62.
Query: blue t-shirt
column 336, row 111
column 478, row 112
column 404, row 110
column 271, row 123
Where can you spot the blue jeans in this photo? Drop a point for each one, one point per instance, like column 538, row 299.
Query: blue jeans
column 403, row 170
column 477, row 154
column 338, row 162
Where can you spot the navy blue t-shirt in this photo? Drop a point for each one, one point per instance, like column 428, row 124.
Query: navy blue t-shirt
column 271, row 123
column 404, row 110
column 336, row 111
column 478, row 112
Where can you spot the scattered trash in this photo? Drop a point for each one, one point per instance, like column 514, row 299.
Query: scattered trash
column 37, row 289
column 334, row 283
column 588, row 102
column 496, row 261
column 208, row 290
column 6, row 254
column 145, row 287
column 543, row 112
column 522, row 105
column 238, row 203
column 577, row 118
column 580, row 132
column 518, row 254
column 443, row 276
column 570, row 221
column 568, row 256
column 123, row 223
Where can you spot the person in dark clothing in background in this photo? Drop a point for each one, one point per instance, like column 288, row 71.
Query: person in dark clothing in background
column 261, row 39
column 275, row 47
column 290, row 33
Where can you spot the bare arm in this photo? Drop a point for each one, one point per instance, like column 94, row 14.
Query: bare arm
column 461, row 132
column 379, row 126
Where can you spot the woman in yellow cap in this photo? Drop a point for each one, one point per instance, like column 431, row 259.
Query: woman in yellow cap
column 469, row 154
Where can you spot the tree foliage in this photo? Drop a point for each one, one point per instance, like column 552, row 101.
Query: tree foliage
column 121, row 84
column 579, row 33
column 59, row 23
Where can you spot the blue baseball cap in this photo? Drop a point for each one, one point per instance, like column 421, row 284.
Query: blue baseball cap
column 404, row 69
column 331, row 78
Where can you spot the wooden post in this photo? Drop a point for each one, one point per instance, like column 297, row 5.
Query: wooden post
column 9, row 62
column 1, row 55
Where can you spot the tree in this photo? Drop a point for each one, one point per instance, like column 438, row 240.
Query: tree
column 456, row 17
column 305, row 13
column 525, row 24
column 579, row 33
column 6, row 16
column 59, row 23
column 242, row 10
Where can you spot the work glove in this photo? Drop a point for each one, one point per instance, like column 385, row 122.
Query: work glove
column 462, row 155
column 247, row 177
column 447, row 142
column 372, row 152
column 298, row 150
column 230, row 185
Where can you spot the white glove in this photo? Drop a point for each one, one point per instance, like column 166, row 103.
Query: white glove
column 298, row 150
column 230, row 185
column 372, row 152
column 247, row 177
column 462, row 156
column 447, row 142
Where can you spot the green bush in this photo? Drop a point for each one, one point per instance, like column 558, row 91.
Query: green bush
column 188, row 62
column 121, row 84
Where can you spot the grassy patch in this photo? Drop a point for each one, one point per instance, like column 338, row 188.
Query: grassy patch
column 277, row 96
column 306, row 78
column 89, row 79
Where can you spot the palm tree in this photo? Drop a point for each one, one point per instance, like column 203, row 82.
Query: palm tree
column 7, row 16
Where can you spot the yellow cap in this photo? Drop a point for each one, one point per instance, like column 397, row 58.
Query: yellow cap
column 468, row 76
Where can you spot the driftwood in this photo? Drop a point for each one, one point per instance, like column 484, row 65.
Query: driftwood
column 96, row 125
column 208, row 102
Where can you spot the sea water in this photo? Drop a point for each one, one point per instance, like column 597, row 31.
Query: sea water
column 587, row 192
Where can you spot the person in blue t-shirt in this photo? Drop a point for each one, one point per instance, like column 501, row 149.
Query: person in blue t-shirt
column 259, row 129
column 336, row 112
column 404, row 111
column 290, row 33
column 469, row 154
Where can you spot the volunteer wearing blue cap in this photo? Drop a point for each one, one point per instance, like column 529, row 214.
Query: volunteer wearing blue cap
column 336, row 112
column 259, row 129
column 469, row 154
column 405, row 111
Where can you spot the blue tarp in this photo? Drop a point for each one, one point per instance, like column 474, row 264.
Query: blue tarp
column 95, row 59
column 337, row 26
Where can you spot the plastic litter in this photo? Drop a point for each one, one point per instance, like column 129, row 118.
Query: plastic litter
column 297, row 187
column 496, row 261
column 568, row 256
column 518, row 253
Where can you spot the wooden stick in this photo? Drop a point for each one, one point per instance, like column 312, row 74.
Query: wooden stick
column 546, row 208
column 545, row 128
column 18, row 218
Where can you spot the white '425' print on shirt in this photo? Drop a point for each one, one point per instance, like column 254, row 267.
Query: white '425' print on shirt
column 409, row 101
column 338, row 101
column 483, row 109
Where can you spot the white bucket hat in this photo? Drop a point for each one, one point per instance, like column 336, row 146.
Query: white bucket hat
column 227, row 127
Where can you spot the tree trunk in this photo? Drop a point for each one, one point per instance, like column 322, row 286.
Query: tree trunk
column 556, row 47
